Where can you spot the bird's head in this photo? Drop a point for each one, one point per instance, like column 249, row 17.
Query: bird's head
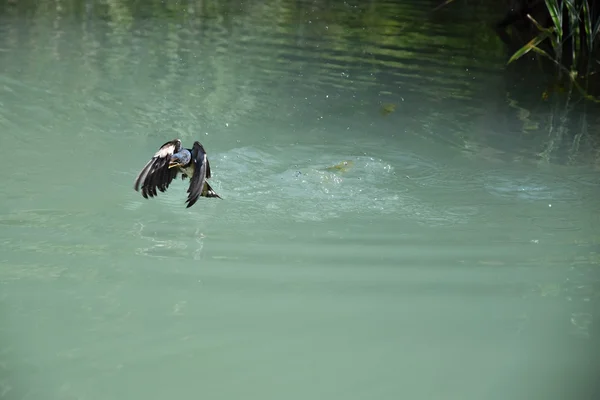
column 180, row 159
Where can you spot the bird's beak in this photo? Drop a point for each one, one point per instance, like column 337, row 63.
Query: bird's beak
column 173, row 164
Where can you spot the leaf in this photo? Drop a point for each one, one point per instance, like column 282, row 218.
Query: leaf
column 531, row 45
column 553, row 39
column 445, row 3
column 340, row 167
column 556, row 15
column 537, row 24
column 587, row 24
column 387, row 108
column 542, row 52
column 596, row 29
column 573, row 13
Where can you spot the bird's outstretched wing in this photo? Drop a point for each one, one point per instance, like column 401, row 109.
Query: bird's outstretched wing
column 156, row 173
column 198, row 184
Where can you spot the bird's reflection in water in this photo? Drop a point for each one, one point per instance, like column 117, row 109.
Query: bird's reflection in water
column 199, row 239
column 163, row 244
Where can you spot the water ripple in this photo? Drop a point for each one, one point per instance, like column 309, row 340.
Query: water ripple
column 304, row 187
column 531, row 187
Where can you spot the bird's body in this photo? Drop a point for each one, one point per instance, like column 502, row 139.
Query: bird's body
column 169, row 161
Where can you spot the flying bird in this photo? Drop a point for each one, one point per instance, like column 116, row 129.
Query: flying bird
column 170, row 160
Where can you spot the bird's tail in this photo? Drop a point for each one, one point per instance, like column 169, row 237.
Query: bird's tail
column 209, row 192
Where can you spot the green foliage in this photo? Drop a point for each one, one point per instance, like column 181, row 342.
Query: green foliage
column 583, row 52
column 532, row 45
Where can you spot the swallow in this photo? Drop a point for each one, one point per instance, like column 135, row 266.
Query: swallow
column 170, row 161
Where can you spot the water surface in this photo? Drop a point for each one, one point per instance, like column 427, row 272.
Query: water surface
column 446, row 260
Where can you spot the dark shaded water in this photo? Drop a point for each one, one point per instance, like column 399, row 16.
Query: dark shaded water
column 455, row 255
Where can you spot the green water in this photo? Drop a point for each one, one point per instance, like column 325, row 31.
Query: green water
column 446, row 262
